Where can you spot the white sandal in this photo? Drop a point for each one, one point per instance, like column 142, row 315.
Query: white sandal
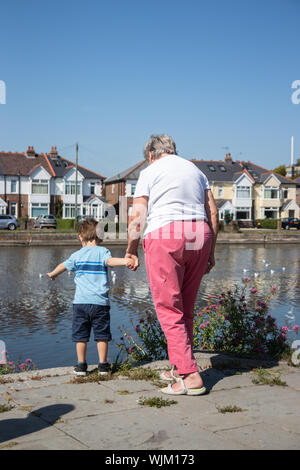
column 169, row 379
column 184, row 391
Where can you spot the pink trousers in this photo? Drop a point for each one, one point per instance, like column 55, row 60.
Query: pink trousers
column 176, row 258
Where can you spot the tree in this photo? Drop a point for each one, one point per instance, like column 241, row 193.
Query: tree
column 281, row 170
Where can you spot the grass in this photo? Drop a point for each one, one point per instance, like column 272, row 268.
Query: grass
column 128, row 371
column 124, row 392
column 4, row 408
column 230, row 409
column 156, row 402
column 264, row 377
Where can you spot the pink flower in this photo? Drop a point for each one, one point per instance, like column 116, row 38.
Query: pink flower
column 253, row 291
column 202, row 325
column 246, row 279
column 130, row 350
column 273, row 289
column 209, row 296
column 10, row 363
column 283, row 336
column 296, row 328
column 213, row 306
column 22, row 366
column 284, row 329
column 28, row 361
column 207, row 323
column 199, row 314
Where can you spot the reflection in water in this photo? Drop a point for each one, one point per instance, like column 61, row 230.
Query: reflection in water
column 36, row 313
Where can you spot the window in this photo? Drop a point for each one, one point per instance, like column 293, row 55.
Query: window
column 13, row 186
column 243, row 192
column 70, row 187
column 70, row 211
column 220, row 191
column 112, row 189
column 39, row 187
column 38, row 209
column 92, row 186
column 285, row 193
column 271, row 213
column 222, row 168
column 211, row 168
column 271, row 193
column 133, row 189
column 243, row 213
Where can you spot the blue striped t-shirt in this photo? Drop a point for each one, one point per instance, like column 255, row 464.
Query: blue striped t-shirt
column 91, row 277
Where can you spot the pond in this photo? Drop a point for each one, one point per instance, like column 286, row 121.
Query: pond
column 36, row 313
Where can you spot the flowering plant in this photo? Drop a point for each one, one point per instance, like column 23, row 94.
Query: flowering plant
column 10, row 367
column 238, row 323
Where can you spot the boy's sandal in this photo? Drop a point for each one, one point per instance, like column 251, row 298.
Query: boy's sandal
column 184, row 391
column 169, row 379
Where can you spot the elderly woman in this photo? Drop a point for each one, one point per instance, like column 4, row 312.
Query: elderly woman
column 179, row 244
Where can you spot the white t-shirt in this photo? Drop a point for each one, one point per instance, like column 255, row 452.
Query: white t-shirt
column 176, row 191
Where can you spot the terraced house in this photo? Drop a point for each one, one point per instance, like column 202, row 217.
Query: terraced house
column 42, row 183
column 245, row 190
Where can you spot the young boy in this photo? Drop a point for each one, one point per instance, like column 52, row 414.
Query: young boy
column 91, row 301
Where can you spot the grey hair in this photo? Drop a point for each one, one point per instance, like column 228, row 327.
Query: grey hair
column 159, row 144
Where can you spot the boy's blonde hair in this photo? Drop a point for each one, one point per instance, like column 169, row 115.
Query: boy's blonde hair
column 88, row 230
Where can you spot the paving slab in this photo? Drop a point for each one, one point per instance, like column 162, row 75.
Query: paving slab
column 52, row 413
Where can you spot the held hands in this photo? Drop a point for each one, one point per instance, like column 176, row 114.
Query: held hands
column 132, row 261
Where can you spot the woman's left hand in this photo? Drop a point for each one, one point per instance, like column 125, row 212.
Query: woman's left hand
column 210, row 263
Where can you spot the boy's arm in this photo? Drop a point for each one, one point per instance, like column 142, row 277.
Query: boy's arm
column 58, row 270
column 120, row 262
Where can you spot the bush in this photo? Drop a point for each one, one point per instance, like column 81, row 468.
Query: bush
column 236, row 322
column 267, row 223
column 64, row 224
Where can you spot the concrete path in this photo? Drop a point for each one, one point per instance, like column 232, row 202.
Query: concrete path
column 49, row 412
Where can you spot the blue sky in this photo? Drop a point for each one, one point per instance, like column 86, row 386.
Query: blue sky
column 109, row 74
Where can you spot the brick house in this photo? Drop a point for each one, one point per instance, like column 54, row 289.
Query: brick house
column 32, row 184
column 123, row 184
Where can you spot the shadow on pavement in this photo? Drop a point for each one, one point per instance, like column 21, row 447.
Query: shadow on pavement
column 35, row 421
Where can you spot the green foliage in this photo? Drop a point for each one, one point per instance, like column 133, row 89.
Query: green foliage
column 265, row 377
column 156, row 402
column 281, row 170
column 64, row 224
column 150, row 345
column 236, row 322
column 267, row 223
column 59, row 209
column 228, row 218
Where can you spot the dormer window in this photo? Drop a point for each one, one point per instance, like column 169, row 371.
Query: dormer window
column 211, row 168
column 222, row 168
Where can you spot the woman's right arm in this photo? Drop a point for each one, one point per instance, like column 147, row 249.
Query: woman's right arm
column 213, row 221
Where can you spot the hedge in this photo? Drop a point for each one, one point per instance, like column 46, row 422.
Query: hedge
column 267, row 223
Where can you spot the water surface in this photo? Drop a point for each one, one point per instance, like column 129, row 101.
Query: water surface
column 36, row 314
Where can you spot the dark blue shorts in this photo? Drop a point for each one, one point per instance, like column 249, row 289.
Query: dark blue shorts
column 90, row 316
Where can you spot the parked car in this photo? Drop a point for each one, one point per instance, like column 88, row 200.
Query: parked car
column 48, row 221
column 290, row 223
column 8, row 221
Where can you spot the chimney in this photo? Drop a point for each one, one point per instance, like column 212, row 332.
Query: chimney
column 30, row 152
column 53, row 152
column 228, row 158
